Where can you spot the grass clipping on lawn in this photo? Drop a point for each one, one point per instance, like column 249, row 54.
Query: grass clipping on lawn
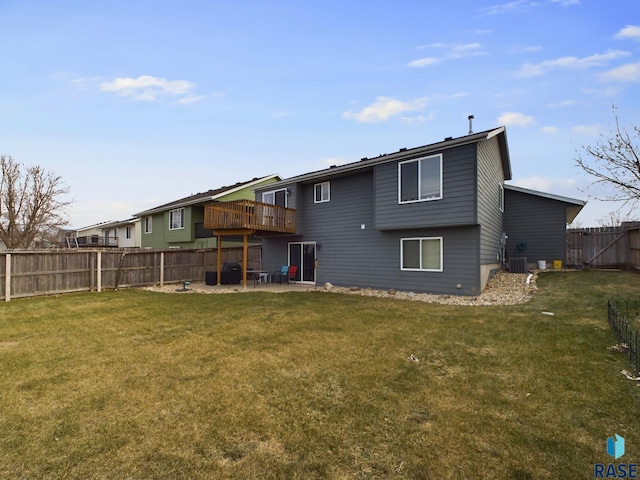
column 136, row 384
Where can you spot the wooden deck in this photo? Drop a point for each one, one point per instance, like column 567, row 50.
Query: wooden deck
column 249, row 216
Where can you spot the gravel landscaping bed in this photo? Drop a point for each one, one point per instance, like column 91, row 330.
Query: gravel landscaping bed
column 503, row 289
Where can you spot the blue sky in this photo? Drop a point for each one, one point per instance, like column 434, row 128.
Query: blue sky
column 138, row 103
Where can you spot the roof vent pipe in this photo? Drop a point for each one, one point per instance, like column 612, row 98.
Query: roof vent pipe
column 470, row 118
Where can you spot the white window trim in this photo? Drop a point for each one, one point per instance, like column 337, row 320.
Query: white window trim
column 400, row 201
column 286, row 196
column 441, row 269
column 182, row 213
column 501, row 197
column 322, row 185
column 148, row 224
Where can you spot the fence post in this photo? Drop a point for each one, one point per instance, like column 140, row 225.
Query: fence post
column 92, row 278
column 7, row 278
column 155, row 269
column 161, row 269
column 99, row 270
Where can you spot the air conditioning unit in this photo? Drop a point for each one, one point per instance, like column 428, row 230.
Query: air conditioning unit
column 518, row 265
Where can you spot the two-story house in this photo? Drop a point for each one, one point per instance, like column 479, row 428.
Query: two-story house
column 427, row 219
column 125, row 233
column 180, row 224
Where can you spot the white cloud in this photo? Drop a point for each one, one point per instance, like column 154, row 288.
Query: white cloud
column 630, row 31
column 523, row 5
column 607, row 92
column 550, row 130
column 507, row 7
column 628, row 73
column 562, row 104
column 424, row 62
column 589, row 130
column 385, row 108
column 517, row 49
column 450, row 51
column 149, row 88
column 190, row 99
column 464, row 49
column 572, row 63
column 416, row 119
column 515, row 118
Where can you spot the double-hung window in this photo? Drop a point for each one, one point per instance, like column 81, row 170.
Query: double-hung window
column 321, row 192
column 148, row 224
column 421, row 254
column 176, row 219
column 420, row 179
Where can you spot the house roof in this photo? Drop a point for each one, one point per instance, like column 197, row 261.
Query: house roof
column 119, row 223
column 574, row 205
column 95, row 226
column 208, row 196
column 448, row 142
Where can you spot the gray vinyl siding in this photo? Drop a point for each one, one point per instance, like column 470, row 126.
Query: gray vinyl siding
column 374, row 261
column 350, row 255
column 490, row 177
column 458, row 203
column 538, row 221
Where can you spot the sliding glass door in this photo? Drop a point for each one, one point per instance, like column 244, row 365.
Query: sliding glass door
column 303, row 255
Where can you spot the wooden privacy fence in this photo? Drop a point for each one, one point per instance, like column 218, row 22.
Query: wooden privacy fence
column 604, row 247
column 35, row 273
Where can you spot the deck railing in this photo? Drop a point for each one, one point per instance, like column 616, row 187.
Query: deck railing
column 250, row 215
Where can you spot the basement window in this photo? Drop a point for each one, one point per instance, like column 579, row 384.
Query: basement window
column 422, row 254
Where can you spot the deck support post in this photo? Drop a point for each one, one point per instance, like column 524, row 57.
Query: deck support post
column 245, row 256
column 219, row 260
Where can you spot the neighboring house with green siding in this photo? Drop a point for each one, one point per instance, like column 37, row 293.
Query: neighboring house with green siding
column 180, row 224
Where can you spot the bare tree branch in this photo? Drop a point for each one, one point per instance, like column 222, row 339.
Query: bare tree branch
column 30, row 204
column 614, row 161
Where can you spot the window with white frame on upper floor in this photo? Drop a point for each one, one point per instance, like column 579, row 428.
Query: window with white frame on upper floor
column 321, row 192
column 501, row 197
column 420, row 179
column 275, row 197
column 176, row 219
column 127, row 233
column 424, row 253
column 148, row 224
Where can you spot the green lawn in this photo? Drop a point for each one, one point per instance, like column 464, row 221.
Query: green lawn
column 142, row 385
